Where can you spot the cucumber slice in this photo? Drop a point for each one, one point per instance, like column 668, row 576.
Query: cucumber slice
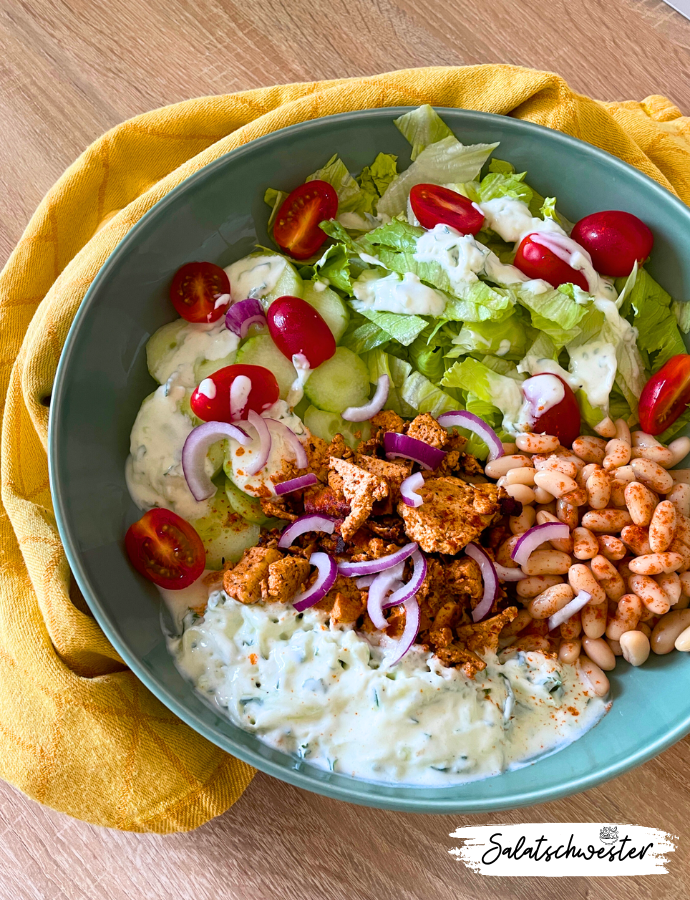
column 265, row 276
column 244, row 505
column 203, row 368
column 225, row 535
column 261, row 351
column 331, row 308
column 290, row 284
column 161, row 346
column 327, row 424
column 341, row 381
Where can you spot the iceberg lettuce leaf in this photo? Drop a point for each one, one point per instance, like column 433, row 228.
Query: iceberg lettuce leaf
column 421, row 127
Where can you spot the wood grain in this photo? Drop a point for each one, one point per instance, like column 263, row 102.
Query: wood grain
column 71, row 69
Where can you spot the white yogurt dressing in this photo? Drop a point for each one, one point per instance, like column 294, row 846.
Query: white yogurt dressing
column 185, row 349
column 397, row 294
column 254, row 276
column 330, row 697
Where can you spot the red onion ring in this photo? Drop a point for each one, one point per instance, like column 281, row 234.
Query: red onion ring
column 301, row 460
column 406, row 591
column 242, row 315
column 535, row 536
column 379, row 588
column 506, row 574
column 491, row 590
column 328, row 572
column 264, row 436
column 410, row 448
column 470, row 422
column 240, row 389
column 376, row 404
column 364, row 581
column 408, row 636
column 372, row 566
column 407, row 489
column 303, row 525
column 576, row 604
column 199, row 442
column 296, row 484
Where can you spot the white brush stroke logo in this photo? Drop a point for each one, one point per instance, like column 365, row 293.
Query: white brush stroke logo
column 564, row 849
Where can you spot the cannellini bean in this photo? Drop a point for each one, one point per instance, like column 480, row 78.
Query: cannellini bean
column 669, row 583
column 504, row 464
column 641, row 503
column 606, row 428
column 519, row 623
column 622, row 431
column 509, row 449
column 531, row 642
column 683, row 641
column 645, row 629
column 662, row 528
column 520, row 492
column 624, row 474
column 536, row 443
column 543, row 497
column 572, row 627
column 594, row 620
column 606, row 521
column 683, row 528
column 550, row 601
column 564, row 544
column 547, row 562
column 566, row 512
column 531, row 587
column 577, row 497
column 611, row 547
column 584, row 474
column 668, row 629
column 624, row 570
column 642, row 440
column 555, row 463
column 522, row 523
column 677, row 546
column 607, row 576
column 592, row 677
column 649, row 618
column 684, row 578
column 615, row 647
column 585, row 544
column 569, row 651
column 618, row 494
column 635, row 646
column 680, row 476
column 650, row 594
column 545, row 507
column 656, row 563
column 661, row 455
column 626, row 617
column 591, row 449
column 598, row 489
column 556, row 483
column 523, row 475
column 679, row 496
column 599, row 652
column 680, row 449
column 636, row 537
column 503, row 556
column 682, row 603
column 617, row 454
column 652, row 475
column 581, row 578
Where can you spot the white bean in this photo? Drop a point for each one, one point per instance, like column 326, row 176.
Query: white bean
column 622, row 431
column 662, row 528
column 504, row 464
column 598, row 489
column 590, row 449
column 680, row 449
column 641, row 503
column 606, row 521
column 592, row 677
column 531, row 587
column 611, row 547
column 555, row 483
column 569, row 651
column 617, row 454
column 650, row 594
column 680, row 476
column 599, row 652
column 547, row 562
column 606, row 428
column 635, row 646
column 626, row 617
column 642, row 440
column 607, row 576
column 550, row 601
column 523, row 475
column 536, row 443
column 636, row 537
column 669, row 583
column 542, row 497
column 668, row 629
column 656, row 563
column 581, row 579
column 679, row 495
column 594, row 620
column 564, row 544
column 555, row 464
column 522, row 523
column 652, row 475
column 520, row 492
column 585, row 544
column 683, row 641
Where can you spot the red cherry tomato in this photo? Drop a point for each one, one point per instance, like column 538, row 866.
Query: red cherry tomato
column 436, row 205
column 296, row 228
column 296, row 327
column 164, row 548
column 264, row 393
column 196, row 289
column 537, row 261
column 561, row 420
column 666, row 395
column 615, row 240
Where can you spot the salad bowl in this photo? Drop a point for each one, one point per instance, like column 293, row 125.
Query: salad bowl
column 219, row 215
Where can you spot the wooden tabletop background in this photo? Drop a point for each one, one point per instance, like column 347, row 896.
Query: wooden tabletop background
column 71, row 69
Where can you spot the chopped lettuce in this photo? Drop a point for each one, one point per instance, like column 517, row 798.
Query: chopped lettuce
column 553, row 312
column 423, row 396
column 427, row 353
column 363, row 335
column 648, row 308
column 398, row 370
column 421, row 127
column 400, row 327
column 334, row 268
column 506, row 338
column 500, row 184
column 682, row 313
column 274, row 199
column 375, row 178
column 395, row 235
column 351, row 197
column 501, row 391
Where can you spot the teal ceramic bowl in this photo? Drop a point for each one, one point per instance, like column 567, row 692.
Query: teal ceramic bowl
column 218, row 214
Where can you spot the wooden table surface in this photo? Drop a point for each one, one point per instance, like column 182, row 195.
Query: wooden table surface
column 69, row 70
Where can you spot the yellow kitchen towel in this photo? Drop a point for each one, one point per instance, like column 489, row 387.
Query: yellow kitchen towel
column 78, row 732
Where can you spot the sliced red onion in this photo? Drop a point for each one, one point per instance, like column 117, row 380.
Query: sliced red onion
column 264, row 436
column 537, row 535
column 408, row 636
column 376, row 404
column 470, row 422
column 328, row 572
column 489, row 576
column 296, row 484
column 406, row 591
column 301, row 460
column 407, row 489
column 240, row 389
column 372, row 566
column 364, row 581
column 199, row 442
column 576, row 604
column 378, row 590
column 242, row 315
column 506, row 574
column 303, row 525
column 410, row 448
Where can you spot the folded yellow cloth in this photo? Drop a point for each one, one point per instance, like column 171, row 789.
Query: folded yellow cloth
column 78, row 732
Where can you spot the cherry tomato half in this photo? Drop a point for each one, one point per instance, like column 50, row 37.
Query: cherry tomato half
column 615, row 240
column 436, row 205
column 296, row 327
column 665, row 395
column 263, row 393
column 196, row 289
column 296, row 228
column 562, row 419
column 537, row 261
column 164, row 548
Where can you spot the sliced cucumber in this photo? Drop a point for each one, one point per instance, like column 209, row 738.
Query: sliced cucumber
column 331, row 308
column 327, row 424
column 244, row 505
column 203, row 368
column 289, row 284
column 261, row 351
column 225, row 535
column 341, row 381
column 161, row 346
column 265, row 276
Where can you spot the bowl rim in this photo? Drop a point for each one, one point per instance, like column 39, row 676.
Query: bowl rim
column 354, row 790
